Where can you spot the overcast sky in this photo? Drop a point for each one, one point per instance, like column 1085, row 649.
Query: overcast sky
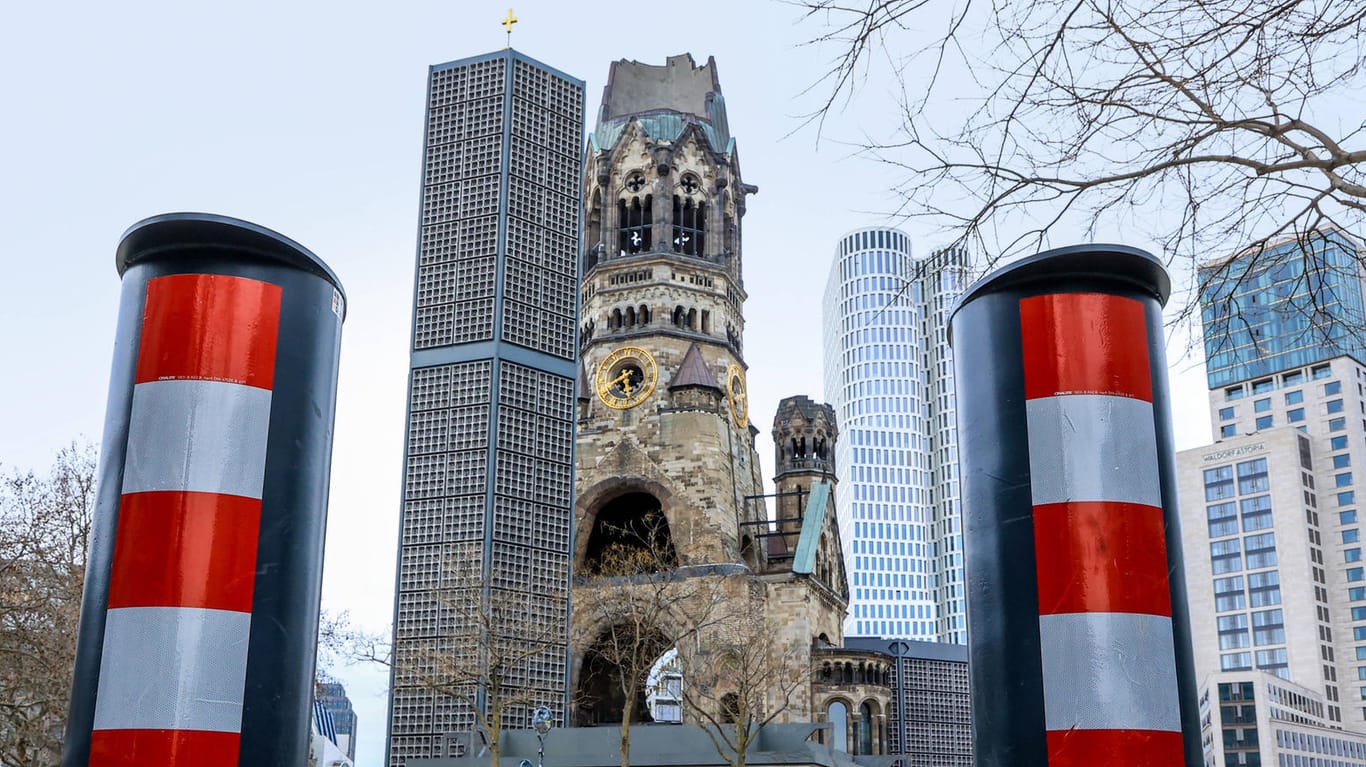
column 307, row 118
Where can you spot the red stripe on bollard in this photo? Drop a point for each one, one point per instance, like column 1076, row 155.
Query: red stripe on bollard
column 177, row 549
column 141, row 748
column 1132, row 748
column 1085, row 343
column 209, row 327
column 1101, row 556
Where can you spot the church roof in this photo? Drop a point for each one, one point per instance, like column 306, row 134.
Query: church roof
column 813, row 522
column 664, row 100
column 693, row 371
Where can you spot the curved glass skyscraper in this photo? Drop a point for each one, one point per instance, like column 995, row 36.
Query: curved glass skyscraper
column 889, row 375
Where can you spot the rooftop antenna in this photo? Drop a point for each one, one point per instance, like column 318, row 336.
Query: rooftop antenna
column 507, row 24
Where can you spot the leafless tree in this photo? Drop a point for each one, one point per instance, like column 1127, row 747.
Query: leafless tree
column 44, row 530
column 484, row 659
column 632, row 607
column 1208, row 126
column 742, row 680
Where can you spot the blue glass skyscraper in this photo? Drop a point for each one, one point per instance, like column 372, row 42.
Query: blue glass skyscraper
column 889, row 375
column 1297, row 302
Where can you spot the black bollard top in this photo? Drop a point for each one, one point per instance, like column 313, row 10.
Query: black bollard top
column 171, row 232
column 1132, row 267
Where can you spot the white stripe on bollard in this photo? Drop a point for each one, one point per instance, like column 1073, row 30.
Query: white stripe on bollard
column 173, row 668
column 197, row 436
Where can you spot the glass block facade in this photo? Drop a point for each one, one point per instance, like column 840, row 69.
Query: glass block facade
column 488, row 474
column 929, row 716
column 1283, row 308
column 889, row 375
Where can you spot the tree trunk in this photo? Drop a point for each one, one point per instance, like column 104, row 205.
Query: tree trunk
column 627, row 711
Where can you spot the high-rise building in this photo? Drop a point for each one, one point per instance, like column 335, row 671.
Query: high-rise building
column 889, row 375
column 1271, row 541
column 1282, row 307
column 488, row 474
column 332, row 697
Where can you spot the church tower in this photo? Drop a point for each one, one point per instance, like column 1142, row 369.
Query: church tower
column 665, row 459
column 664, row 439
column 666, row 421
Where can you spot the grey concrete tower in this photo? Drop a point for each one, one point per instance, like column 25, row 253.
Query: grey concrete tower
column 488, row 473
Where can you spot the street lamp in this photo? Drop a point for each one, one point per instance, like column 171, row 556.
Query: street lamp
column 542, row 720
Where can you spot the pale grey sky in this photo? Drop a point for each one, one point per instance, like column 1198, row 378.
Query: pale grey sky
column 307, row 118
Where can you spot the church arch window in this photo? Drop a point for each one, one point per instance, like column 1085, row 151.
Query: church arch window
column 692, row 319
column 643, row 314
column 689, row 221
column 615, row 322
column 865, row 729
column 837, row 714
column 630, row 316
column 680, row 318
column 730, row 708
column 706, row 321
column 635, row 214
column 594, row 240
column 631, row 526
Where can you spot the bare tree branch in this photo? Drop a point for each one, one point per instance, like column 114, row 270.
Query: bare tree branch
column 1208, row 127
column 44, row 530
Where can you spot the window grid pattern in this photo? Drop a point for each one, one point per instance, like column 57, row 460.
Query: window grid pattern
column 934, row 713
column 1283, row 309
column 489, row 171
column 889, row 375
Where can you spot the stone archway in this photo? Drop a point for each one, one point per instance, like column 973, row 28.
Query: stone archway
column 630, row 527
column 620, row 660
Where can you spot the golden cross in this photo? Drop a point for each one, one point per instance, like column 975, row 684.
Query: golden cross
column 507, row 24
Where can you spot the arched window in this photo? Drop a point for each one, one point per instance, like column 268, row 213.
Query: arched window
column 634, row 215
column 692, row 319
column 643, row 314
column 602, row 700
column 629, row 530
column 689, row 228
column 616, row 319
column 680, row 317
column 865, row 729
column 630, row 316
column 838, row 717
column 594, row 238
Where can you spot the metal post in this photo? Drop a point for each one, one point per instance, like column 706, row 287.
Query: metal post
column 199, row 618
column 1078, row 635
column 542, row 720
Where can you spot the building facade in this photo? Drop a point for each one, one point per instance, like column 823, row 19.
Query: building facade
column 1270, row 519
column 929, row 714
column 1256, row 718
column 1282, row 307
column 488, row 467
column 889, row 375
column 332, row 696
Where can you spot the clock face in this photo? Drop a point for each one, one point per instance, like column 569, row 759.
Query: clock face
column 626, row 377
column 739, row 398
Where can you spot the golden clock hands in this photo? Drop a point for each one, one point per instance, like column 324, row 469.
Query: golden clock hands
column 624, row 379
